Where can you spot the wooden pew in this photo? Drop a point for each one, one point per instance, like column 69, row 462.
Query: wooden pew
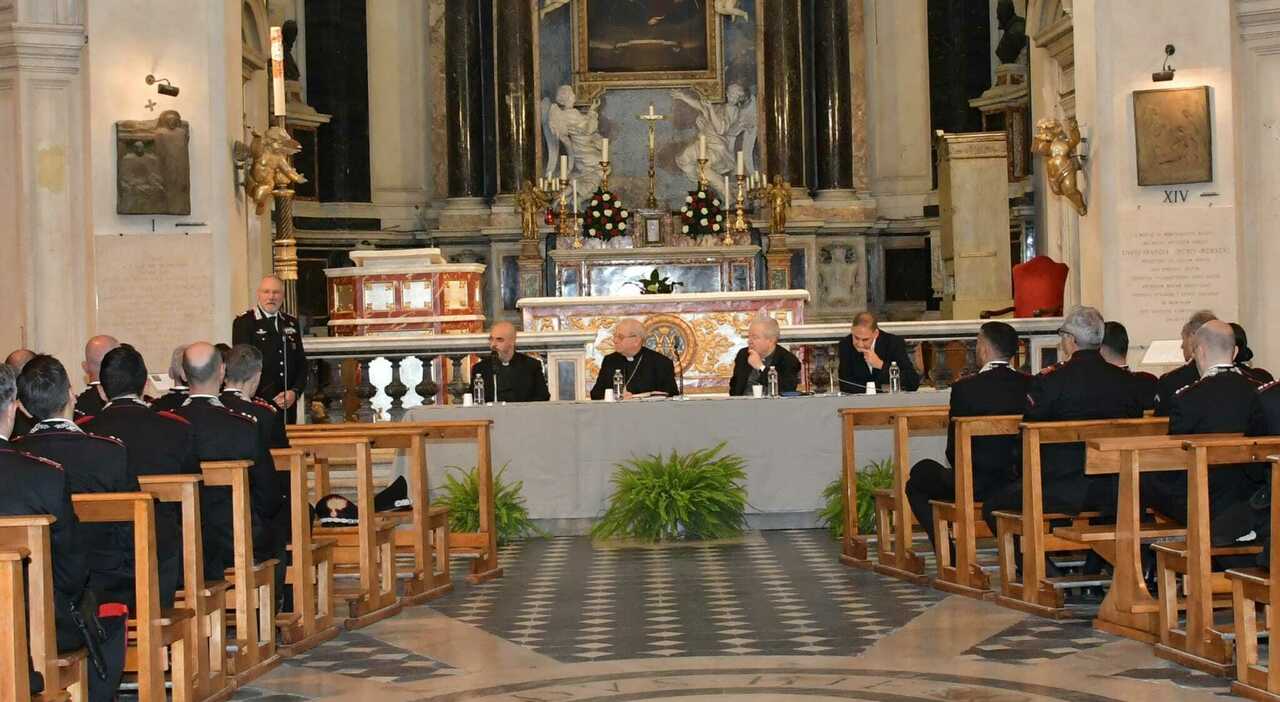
column 428, row 578
column 151, row 629
column 962, row 519
column 894, row 553
column 15, row 654
column 367, row 548
column 1036, row 593
column 1199, row 643
column 253, row 585
column 311, row 572
column 1251, row 587
column 210, row 664
column 65, row 675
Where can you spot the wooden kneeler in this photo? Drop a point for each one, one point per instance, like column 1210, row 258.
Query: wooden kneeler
column 962, row 519
column 368, row 548
column 1251, row 587
column 311, row 572
column 1197, row 642
column 253, row 595
column 151, row 630
column 211, row 664
column 1034, row 592
column 894, row 553
column 66, row 675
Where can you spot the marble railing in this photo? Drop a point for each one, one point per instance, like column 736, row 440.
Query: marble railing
column 378, row 377
column 942, row 349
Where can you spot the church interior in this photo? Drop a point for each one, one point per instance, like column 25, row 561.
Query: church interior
column 639, row 349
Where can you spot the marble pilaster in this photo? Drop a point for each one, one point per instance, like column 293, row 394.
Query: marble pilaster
column 517, row 114
column 397, row 99
column 784, row 93
column 898, row 98
column 832, row 100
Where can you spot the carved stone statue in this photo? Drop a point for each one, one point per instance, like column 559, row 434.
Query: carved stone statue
column 153, row 166
column 1057, row 145
column 270, row 170
column 574, row 133
column 730, row 9
column 1013, row 41
column 722, row 125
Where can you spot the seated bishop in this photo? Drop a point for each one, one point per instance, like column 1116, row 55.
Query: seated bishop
column 751, row 366
column 642, row 371
column 507, row 374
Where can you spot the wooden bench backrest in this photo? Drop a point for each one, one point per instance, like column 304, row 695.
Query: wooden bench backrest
column 393, row 434
column 32, row 534
column 184, row 490
column 14, row 654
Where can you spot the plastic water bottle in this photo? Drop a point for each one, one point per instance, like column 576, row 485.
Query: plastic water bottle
column 834, row 374
column 895, row 378
column 618, row 385
column 773, row 381
column 477, row 393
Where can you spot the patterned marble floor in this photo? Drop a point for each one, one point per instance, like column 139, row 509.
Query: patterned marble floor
column 771, row 616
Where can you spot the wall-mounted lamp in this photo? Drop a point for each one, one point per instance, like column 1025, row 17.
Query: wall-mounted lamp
column 1165, row 73
column 163, row 86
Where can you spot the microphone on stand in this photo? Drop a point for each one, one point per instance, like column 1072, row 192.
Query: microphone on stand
column 675, row 358
column 493, row 364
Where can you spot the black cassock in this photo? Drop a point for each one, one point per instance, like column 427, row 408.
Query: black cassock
column 649, row 371
column 521, row 380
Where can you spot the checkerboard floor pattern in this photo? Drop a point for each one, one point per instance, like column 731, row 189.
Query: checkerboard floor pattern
column 775, row 593
column 1036, row 640
column 357, row 655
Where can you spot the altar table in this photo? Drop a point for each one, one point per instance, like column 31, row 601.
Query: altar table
column 565, row 452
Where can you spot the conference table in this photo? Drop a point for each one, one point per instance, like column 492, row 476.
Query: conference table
column 566, row 452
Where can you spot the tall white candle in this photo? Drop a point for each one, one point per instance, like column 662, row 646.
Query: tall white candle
column 277, row 71
column 575, row 194
column 604, row 149
column 726, row 190
column 741, row 166
column 564, row 167
column 702, row 147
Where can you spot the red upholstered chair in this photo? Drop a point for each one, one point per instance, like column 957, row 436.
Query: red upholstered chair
column 1038, row 287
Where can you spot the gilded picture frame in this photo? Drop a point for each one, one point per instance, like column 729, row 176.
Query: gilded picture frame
column 636, row 50
column 1173, row 130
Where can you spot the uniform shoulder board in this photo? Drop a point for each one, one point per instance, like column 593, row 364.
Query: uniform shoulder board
column 175, row 417
column 84, row 420
column 1187, row 387
column 36, row 459
column 104, row 437
column 265, row 405
column 1268, row 386
column 240, row 415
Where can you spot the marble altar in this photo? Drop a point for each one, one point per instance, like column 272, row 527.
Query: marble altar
column 600, row 272
column 405, row 290
column 700, row 331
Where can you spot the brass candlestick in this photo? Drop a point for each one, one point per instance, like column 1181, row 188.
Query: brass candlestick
column 605, row 169
column 652, row 120
column 739, row 226
column 702, row 174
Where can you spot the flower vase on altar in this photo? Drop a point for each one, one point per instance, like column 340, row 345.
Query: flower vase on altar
column 605, row 220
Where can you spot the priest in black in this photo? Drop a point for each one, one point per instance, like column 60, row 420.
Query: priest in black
column 279, row 337
column 994, row 390
column 509, row 376
column 867, row 354
column 645, row 372
column 762, row 352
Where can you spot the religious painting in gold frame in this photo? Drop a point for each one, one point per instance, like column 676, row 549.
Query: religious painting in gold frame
column 1174, row 135
column 646, row 44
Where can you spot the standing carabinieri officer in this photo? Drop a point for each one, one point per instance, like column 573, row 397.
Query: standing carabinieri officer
column 279, row 337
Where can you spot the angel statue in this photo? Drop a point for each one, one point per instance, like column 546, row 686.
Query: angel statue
column 574, row 133
column 1056, row 143
column 730, row 9
column 722, row 125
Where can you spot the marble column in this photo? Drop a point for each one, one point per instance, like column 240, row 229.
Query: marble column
column 43, row 216
column 784, row 94
column 464, row 94
column 897, row 43
column 517, row 115
column 398, row 110
column 832, row 103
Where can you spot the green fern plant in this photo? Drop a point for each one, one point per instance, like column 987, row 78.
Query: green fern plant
column 461, row 495
column 873, row 476
column 698, row 495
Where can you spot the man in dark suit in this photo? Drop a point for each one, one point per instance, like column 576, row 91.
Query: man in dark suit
column 867, row 354
column 1083, row 387
column 644, row 372
column 91, row 399
column 1173, row 381
column 279, row 337
column 177, row 394
column 222, row 434
column 509, row 376
column 1222, row 400
column 994, row 390
column 22, row 422
column 157, row 443
column 239, row 392
column 762, row 352
column 1115, row 350
column 38, row 486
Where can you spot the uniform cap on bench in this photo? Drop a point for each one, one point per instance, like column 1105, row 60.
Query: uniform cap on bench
column 394, row 497
column 336, row 510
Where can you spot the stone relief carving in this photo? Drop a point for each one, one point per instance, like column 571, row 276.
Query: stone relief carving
column 721, row 125
column 841, row 282
column 153, row 166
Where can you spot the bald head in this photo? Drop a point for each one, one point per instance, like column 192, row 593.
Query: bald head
column 270, row 294
column 19, row 358
column 202, row 364
column 502, row 340
column 94, row 350
column 1215, row 344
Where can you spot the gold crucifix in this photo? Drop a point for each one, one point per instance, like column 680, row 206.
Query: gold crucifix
column 652, row 118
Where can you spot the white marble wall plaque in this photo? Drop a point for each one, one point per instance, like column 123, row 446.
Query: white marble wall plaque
column 155, row 291
column 1173, row 262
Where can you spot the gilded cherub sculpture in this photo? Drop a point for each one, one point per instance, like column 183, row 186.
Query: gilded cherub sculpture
column 270, row 171
column 778, row 195
column 531, row 202
column 1057, row 144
